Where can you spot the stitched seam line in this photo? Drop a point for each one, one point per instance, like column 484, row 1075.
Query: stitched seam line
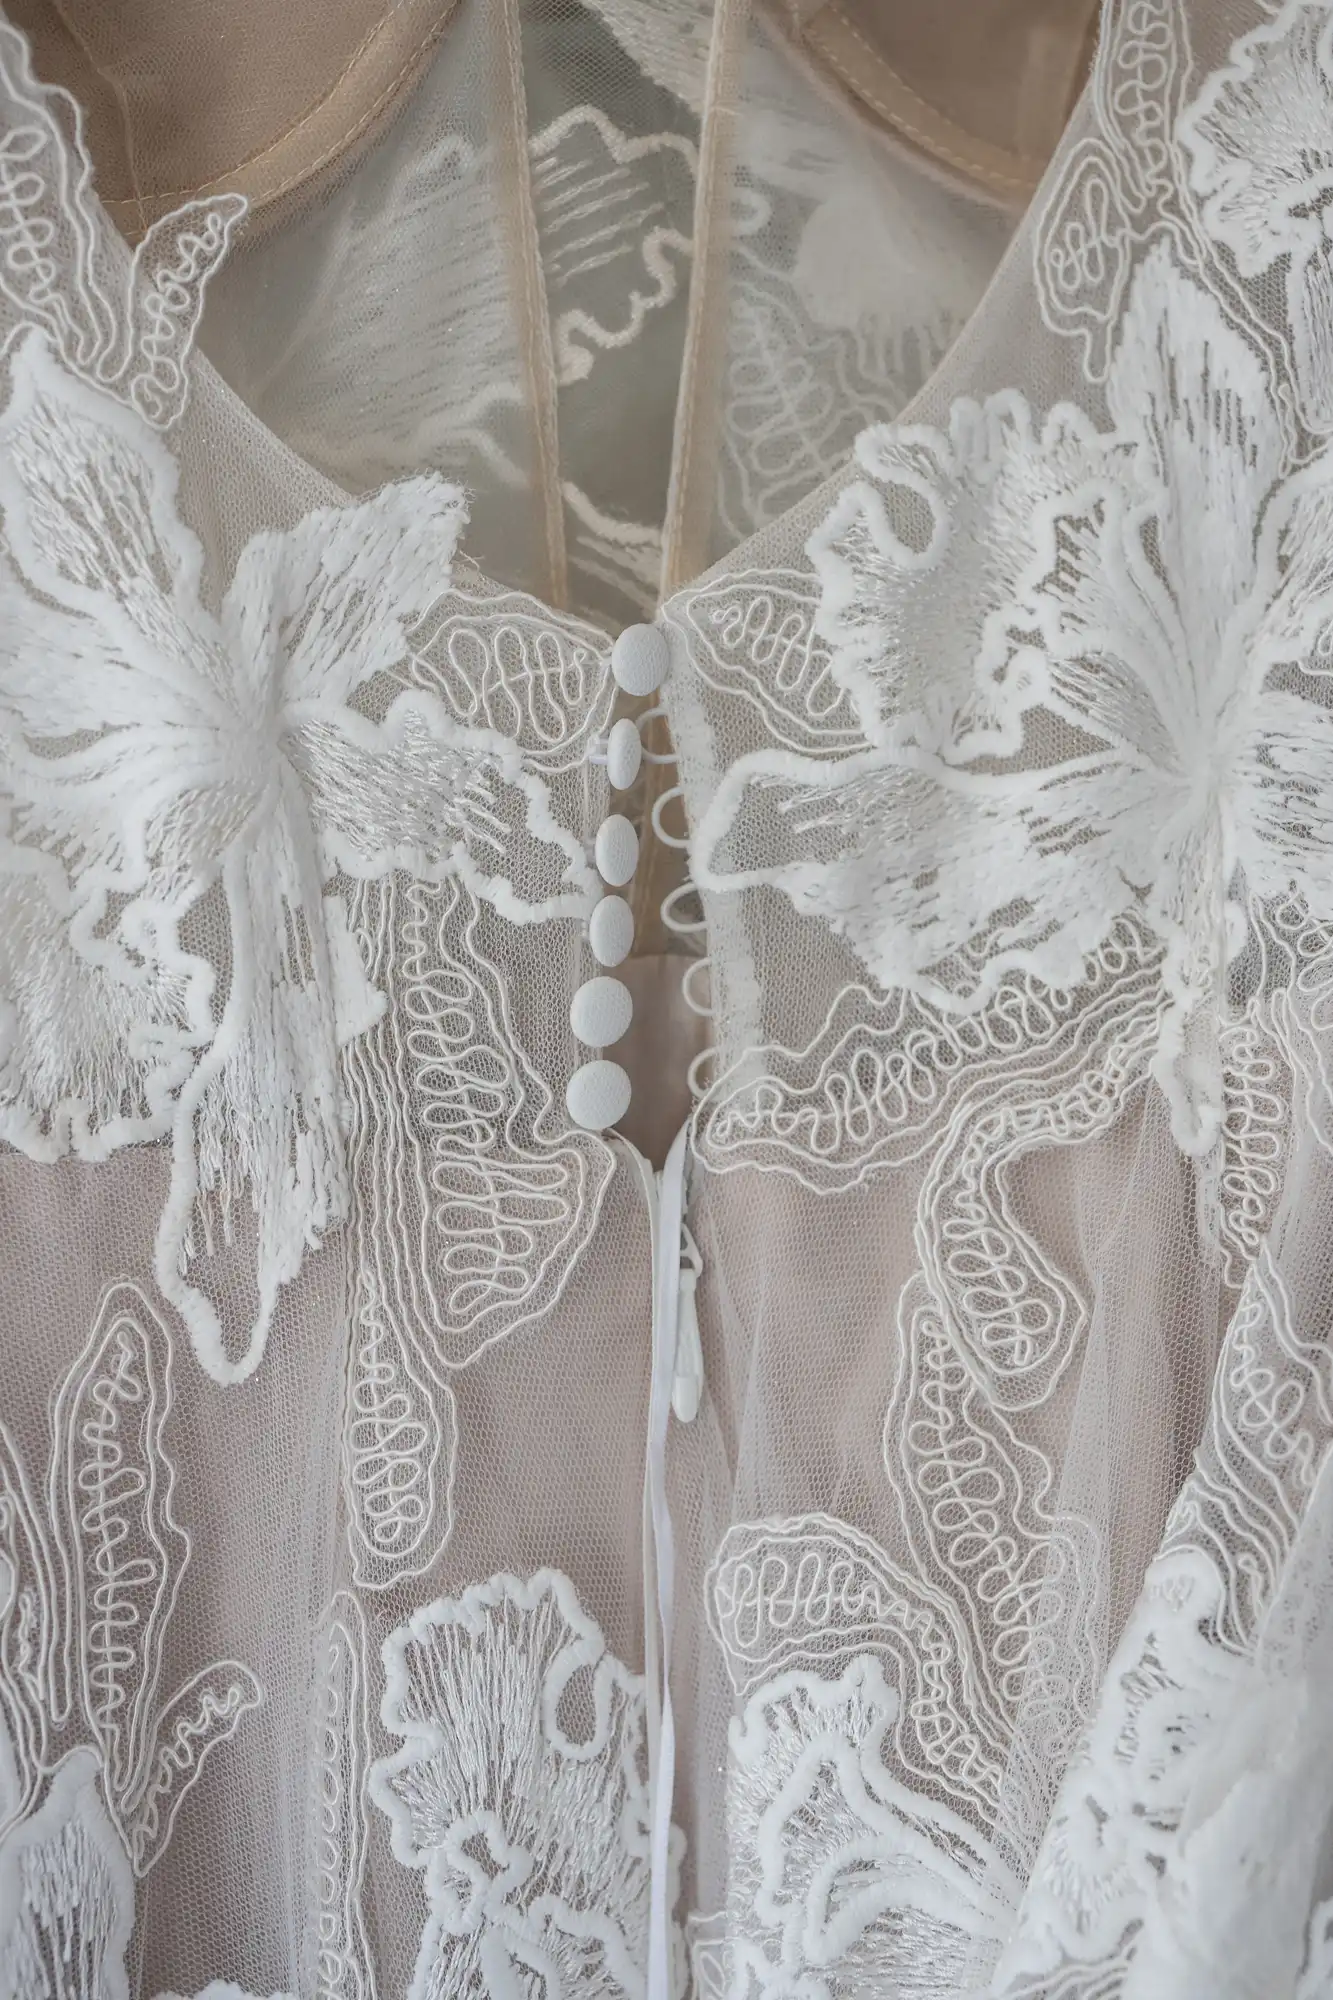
column 220, row 181
column 923, row 137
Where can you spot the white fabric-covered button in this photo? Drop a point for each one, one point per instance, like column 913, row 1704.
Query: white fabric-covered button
column 624, row 753
column 611, row 930
column 597, row 1095
column 640, row 658
column 600, row 1012
column 616, row 849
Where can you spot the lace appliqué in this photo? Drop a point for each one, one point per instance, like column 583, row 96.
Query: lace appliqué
column 846, row 288
column 338, row 1961
column 95, row 1762
column 121, row 324
column 186, row 786
column 455, row 1133
column 520, row 1793
column 1185, row 1805
column 879, row 1823
column 1116, row 189
column 1073, row 588
column 858, row 1792
column 754, row 634
column 1264, row 183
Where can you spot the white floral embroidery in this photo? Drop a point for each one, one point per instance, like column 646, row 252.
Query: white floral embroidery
column 1159, row 680
column 1190, row 1824
column 856, row 1878
column 88, row 1586
column 1126, row 1787
column 843, row 1877
column 1266, row 180
column 1117, row 188
column 1185, row 1803
column 66, row 1892
column 520, row 1793
column 185, row 786
column 884, row 1794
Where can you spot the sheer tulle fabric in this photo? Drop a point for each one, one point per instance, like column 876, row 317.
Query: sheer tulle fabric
column 424, row 1568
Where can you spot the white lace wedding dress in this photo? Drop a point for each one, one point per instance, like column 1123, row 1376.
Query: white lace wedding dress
column 455, row 1539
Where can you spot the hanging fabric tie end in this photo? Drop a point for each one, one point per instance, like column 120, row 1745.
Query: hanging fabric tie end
column 688, row 1379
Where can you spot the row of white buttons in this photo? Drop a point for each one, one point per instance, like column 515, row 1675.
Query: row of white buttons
column 598, row 1093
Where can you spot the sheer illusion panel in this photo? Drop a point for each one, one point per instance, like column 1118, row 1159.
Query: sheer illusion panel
column 317, row 1303
column 179, row 105
column 1047, row 1119
column 836, row 270
column 393, row 326
column 501, row 290
column 1003, row 1523
column 497, row 292
column 394, row 323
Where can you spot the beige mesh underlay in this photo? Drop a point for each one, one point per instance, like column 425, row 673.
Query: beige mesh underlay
column 185, row 98
column 703, row 1370
column 188, row 97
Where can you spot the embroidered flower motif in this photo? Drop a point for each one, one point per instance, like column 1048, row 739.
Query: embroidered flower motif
column 842, row 1879
column 1112, row 1835
column 520, row 1793
column 1146, row 613
column 66, row 1889
column 1266, row 181
column 184, row 786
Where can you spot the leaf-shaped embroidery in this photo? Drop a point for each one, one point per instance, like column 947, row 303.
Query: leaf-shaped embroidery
column 400, row 1432
column 755, row 634
column 456, row 1125
column 87, row 1592
column 120, row 1545
column 206, row 1711
column 339, row 1963
column 500, row 660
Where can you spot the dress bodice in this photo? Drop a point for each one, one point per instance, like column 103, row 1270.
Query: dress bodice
column 664, row 1011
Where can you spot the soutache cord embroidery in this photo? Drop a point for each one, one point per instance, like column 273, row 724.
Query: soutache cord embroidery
column 95, row 1761
column 228, row 759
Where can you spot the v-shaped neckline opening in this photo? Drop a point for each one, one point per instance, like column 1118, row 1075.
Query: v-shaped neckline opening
column 742, row 554
column 749, row 551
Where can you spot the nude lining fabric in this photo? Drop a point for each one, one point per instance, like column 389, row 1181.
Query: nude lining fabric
column 191, row 98
column 666, row 1017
